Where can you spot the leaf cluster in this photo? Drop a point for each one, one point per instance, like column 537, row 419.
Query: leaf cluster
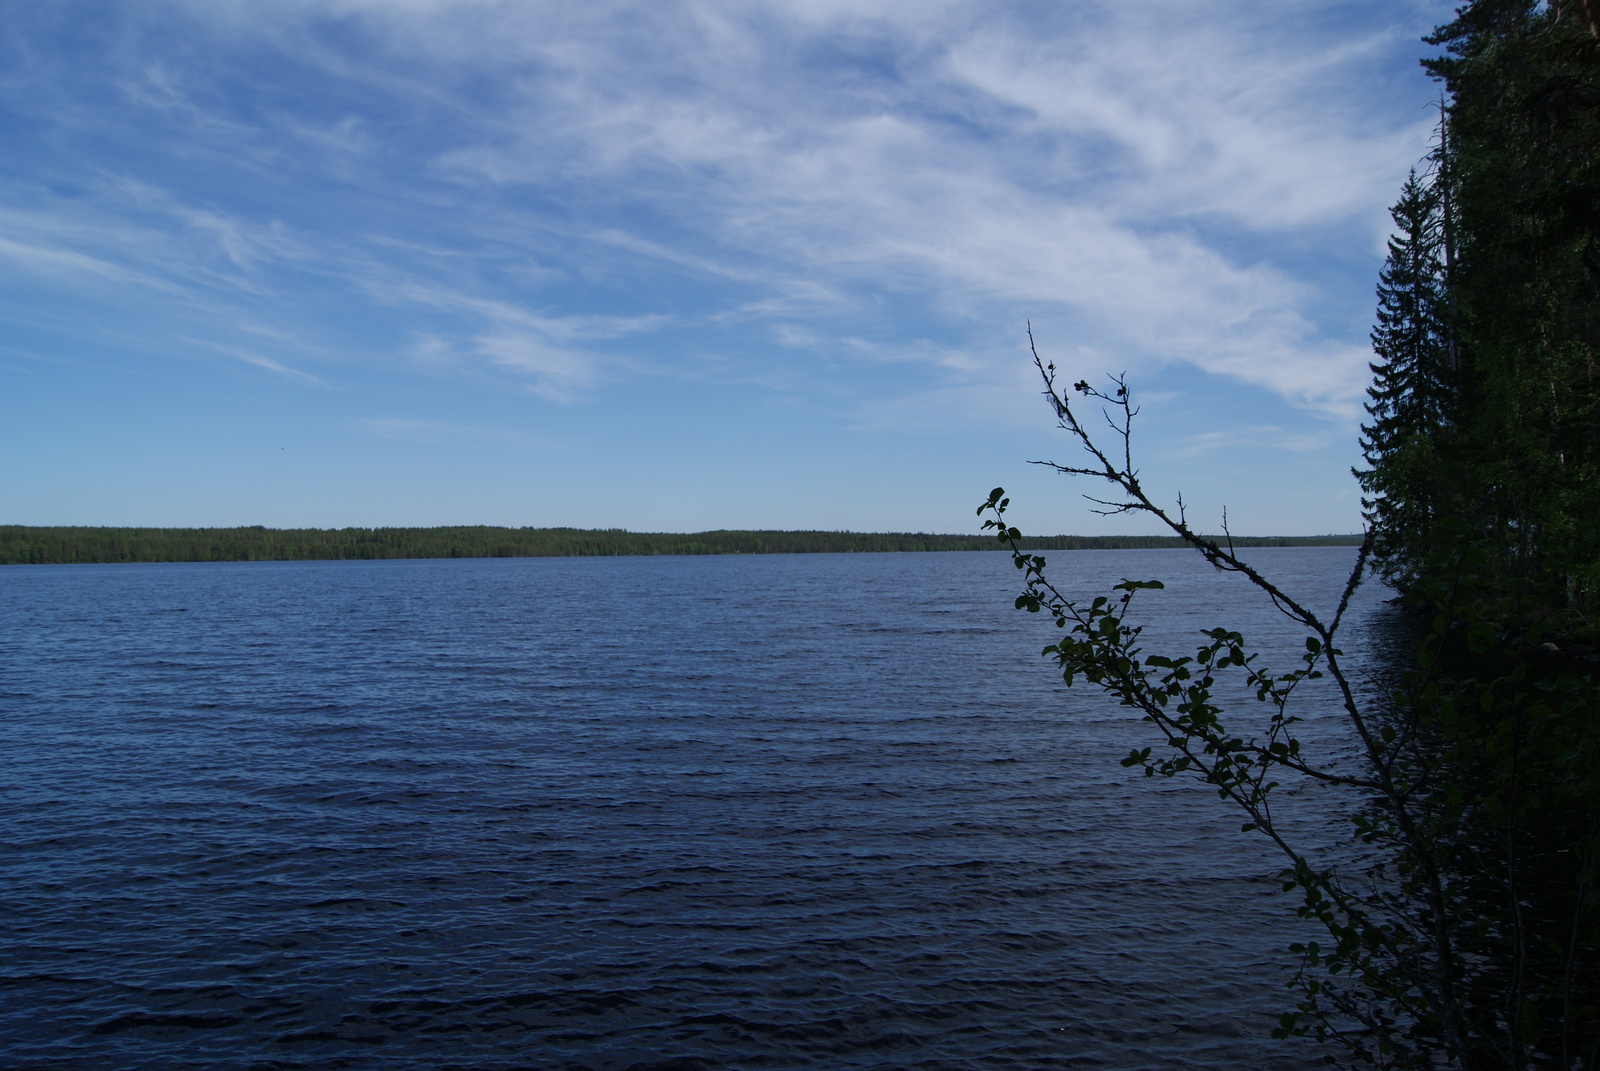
column 1463, row 930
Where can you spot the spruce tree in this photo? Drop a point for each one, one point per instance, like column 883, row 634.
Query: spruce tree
column 1522, row 82
column 1410, row 389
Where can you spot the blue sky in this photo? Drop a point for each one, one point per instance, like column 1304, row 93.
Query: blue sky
column 688, row 265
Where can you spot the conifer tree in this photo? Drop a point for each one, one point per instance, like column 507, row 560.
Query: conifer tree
column 1522, row 85
column 1410, row 390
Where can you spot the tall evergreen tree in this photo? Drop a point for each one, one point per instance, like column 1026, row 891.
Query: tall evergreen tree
column 1410, row 392
column 1522, row 81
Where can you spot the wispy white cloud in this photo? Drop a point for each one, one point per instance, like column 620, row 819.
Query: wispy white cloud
column 1260, row 436
column 260, row 361
column 1099, row 166
column 557, row 373
column 552, row 371
column 989, row 158
column 78, row 267
column 856, row 201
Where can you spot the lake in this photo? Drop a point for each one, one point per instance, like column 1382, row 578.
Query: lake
column 799, row 811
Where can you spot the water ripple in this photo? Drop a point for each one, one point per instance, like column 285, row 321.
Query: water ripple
column 617, row 815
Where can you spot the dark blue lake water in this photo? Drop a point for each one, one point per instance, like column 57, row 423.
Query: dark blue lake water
column 821, row 811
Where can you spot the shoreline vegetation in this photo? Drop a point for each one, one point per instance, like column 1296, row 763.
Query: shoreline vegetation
column 1464, row 931
column 26, row 545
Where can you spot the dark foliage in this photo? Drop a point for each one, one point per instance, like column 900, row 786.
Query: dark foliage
column 1411, row 398
column 1508, row 418
column 1484, row 470
column 20, row 545
column 1468, row 933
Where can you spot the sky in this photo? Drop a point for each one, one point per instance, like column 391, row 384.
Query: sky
column 690, row 264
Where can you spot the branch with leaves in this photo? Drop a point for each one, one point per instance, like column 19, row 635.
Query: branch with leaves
column 1384, row 985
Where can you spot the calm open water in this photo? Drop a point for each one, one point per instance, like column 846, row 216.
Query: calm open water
column 821, row 811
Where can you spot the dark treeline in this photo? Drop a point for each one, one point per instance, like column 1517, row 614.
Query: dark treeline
column 1482, row 485
column 1486, row 406
column 22, row 545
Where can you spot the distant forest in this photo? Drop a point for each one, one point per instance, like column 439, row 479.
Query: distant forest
column 22, row 545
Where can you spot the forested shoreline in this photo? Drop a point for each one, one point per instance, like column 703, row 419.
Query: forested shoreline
column 1482, row 493
column 25, row 545
column 1484, row 435
column 1466, row 934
